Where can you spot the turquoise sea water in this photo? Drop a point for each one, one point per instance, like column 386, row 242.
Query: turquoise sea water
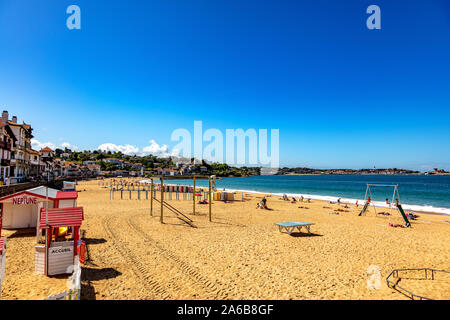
column 421, row 192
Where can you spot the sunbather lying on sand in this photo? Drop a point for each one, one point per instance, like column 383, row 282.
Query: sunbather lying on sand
column 396, row 225
column 412, row 216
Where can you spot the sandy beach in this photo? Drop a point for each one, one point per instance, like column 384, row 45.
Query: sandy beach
column 239, row 255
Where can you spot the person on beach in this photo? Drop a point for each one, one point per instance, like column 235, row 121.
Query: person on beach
column 293, row 200
column 262, row 204
column 301, row 199
column 339, row 201
column 357, row 203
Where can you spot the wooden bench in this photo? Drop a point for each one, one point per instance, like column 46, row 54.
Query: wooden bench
column 289, row 227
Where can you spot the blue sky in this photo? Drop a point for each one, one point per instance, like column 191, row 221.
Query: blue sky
column 340, row 94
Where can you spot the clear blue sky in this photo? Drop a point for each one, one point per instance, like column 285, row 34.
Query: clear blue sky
column 341, row 95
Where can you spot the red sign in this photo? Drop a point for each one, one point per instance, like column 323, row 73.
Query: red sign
column 24, row 200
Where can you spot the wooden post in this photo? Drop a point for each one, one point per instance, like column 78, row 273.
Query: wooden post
column 209, row 202
column 151, row 199
column 193, row 198
column 162, row 199
column 46, row 252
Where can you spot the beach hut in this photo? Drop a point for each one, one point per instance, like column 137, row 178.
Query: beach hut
column 57, row 247
column 69, row 186
column 2, row 261
column 20, row 210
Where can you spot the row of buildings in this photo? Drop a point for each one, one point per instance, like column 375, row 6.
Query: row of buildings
column 138, row 169
column 19, row 162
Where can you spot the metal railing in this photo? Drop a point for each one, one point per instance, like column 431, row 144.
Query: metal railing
column 428, row 274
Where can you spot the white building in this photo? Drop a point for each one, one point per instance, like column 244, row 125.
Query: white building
column 20, row 162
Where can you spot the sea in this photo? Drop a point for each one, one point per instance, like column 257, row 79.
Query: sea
column 421, row 193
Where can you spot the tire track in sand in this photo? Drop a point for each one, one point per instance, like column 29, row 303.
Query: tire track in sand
column 205, row 284
column 157, row 290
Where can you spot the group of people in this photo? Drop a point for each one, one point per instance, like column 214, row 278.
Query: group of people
column 293, row 200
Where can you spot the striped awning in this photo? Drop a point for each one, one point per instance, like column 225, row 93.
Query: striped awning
column 62, row 217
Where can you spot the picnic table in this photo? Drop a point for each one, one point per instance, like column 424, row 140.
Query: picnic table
column 289, row 227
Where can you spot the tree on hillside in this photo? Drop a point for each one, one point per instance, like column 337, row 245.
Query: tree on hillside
column 58, row 152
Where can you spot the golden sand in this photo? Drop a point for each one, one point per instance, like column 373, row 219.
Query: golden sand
column 239, row 255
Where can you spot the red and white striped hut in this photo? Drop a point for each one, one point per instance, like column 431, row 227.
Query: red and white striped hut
column 60, row 228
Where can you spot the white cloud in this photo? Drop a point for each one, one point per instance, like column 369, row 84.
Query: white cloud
column 159, row 150
column 69, row 146
column 125, row 149
column 154, row 149
column 37, row 145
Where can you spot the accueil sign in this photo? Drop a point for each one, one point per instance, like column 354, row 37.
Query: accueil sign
column 61, row 250
column 24, row 200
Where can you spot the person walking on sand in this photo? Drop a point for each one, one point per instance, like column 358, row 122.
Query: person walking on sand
column 357, row 203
